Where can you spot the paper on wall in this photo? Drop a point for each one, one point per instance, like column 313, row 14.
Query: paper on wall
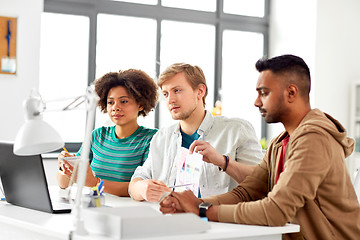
column 8, row 64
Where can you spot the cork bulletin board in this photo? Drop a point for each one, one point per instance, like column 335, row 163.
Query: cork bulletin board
column 8, row 29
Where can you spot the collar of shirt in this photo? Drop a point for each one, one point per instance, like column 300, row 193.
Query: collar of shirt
column 204, row 127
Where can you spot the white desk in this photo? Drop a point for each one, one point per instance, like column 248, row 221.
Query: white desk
column 21, row 223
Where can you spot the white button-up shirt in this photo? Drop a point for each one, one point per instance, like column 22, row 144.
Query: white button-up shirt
column 231, row 136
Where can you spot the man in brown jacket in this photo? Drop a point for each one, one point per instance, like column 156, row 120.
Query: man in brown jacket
column 302, row 178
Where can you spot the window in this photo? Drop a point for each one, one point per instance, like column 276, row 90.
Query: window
column 241, row 50
column 202, row 5
column 64, row 71
column 102, row 36
column 150, row 2
column 123, row 49
column 254, row 8
column 190, row 43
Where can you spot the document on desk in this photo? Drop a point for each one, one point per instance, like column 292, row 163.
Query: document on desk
column 140, row 222
column 188, row 171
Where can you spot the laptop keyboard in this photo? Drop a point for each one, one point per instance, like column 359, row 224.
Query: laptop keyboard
column 57, row 200
column 60, row 205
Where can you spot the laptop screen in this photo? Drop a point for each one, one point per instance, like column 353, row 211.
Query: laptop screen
column 23, row 179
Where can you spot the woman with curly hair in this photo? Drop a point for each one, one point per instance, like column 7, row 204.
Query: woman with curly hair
column 117, row 150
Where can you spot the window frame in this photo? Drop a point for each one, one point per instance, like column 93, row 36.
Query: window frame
column 221, row 21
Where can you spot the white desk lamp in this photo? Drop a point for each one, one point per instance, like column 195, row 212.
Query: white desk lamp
column 36, row 137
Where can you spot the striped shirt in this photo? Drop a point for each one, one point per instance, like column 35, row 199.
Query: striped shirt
column 116, row 159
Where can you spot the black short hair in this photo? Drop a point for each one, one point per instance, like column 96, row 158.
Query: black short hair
column 288, row 64
column 138, row 84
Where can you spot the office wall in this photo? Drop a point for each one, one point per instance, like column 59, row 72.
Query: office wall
column 337, row 61
column 326, row 34
column 337, row 56
column 292, row 31
column 13, row 89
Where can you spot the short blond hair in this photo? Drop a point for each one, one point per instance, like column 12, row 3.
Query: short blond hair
column 193, row 74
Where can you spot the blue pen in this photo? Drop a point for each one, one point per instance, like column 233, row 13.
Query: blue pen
column 100, row 185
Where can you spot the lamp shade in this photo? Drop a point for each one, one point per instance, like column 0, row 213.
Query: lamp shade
column 36, row 137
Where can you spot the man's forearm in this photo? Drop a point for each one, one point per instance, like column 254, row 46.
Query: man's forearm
column 134, row 190
column 212, row 213
column 238, row 171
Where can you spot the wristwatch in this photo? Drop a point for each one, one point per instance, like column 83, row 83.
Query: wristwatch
column 203, row 207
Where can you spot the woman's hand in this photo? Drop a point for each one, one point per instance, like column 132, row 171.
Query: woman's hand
column 65, row 168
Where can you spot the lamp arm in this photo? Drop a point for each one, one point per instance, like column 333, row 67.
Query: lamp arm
column 34, row 106
column 91, row 99
column 74, row 104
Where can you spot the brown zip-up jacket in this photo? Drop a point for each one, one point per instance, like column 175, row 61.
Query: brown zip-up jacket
column 314, row 190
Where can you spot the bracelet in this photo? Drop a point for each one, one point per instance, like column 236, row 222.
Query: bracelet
column 227, row 159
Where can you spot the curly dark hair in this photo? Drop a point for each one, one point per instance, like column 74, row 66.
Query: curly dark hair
column 138, row 84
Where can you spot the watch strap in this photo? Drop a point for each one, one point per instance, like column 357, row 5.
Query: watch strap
column 202, row 212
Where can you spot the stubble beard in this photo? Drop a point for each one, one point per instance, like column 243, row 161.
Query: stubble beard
column 272, row 118
column 184, row 115
column 276, row 116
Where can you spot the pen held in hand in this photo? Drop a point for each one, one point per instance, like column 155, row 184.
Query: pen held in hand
column 65, row 149
column 173, row 187
column 180, row 185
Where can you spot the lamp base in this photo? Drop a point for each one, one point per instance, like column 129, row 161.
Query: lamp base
column 79, row 225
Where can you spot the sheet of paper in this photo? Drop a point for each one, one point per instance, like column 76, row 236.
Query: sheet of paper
column 188, row 171
column 8, row 65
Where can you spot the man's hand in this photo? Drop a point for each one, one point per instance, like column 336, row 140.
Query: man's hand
column 152, row 190
column 186, row 201
column 170, row 205
column 210, row 155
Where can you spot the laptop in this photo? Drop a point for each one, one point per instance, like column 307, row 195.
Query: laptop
column 24, row 182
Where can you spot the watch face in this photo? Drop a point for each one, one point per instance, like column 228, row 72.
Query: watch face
column 205, row 205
